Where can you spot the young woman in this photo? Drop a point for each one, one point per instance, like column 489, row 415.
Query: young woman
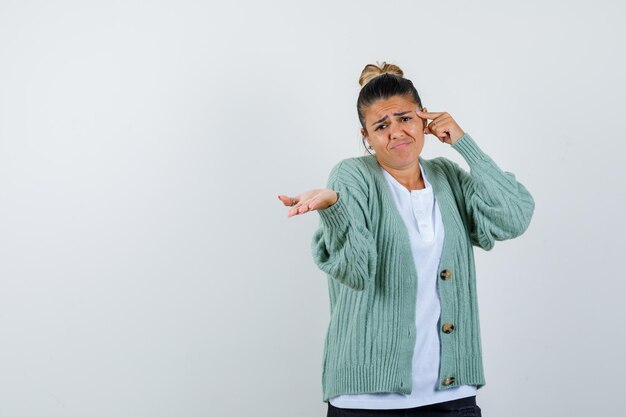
column 396, row 239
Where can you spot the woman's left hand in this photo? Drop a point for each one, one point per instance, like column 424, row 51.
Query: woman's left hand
column 443, row 126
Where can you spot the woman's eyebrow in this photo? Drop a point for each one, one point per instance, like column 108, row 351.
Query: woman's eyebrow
column 386, row 117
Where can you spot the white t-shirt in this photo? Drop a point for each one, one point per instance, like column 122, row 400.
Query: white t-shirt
column 422, row 217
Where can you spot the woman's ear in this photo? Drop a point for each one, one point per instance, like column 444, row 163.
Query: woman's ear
column 363, row 133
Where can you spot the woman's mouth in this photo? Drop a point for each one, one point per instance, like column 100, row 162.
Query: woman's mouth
column 401, row 145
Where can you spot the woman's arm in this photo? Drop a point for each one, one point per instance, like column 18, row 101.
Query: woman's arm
column 497, row 206
column 343, row 246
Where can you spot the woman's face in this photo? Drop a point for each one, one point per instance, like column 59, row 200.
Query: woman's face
column 394, row 131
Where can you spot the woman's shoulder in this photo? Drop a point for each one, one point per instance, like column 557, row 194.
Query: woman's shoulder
column 443, row 165
column 363, row 165
column 358, row 170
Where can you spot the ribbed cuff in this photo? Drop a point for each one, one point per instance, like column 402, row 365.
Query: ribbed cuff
column 469, row 149
column 335, row 217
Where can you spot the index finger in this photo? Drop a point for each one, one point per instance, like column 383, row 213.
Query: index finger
column 429, row 114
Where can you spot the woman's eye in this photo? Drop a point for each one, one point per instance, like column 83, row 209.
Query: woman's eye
column 380, row 127
column 406, row 118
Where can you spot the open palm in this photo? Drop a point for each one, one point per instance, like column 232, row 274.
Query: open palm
column 316, row 199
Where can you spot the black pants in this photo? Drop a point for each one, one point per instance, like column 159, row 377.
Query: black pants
column 463, row 407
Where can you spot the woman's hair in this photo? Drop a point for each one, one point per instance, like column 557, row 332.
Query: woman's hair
column 380, row 82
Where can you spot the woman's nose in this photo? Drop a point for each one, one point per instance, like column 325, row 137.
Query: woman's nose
column 396, row 131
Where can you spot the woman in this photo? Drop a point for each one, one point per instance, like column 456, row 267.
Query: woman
column 396, row 239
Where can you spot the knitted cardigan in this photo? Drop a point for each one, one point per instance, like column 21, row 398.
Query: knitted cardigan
column 363, row 246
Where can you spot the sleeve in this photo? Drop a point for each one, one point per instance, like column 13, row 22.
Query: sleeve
column 497, row 206
column 343, row 246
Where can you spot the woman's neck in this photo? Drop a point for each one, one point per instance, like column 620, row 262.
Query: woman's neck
column 410, row 177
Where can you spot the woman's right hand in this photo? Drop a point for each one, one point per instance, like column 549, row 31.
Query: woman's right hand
column 316, row 199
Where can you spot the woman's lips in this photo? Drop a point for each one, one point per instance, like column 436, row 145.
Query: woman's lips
column 401, row 145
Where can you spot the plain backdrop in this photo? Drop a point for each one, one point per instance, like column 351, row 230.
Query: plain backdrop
column 147, row 267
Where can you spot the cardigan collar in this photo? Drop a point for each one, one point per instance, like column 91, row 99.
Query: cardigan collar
column 433, row 174
column 438, row 182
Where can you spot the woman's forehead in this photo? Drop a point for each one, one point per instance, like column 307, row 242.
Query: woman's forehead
column 388, row 107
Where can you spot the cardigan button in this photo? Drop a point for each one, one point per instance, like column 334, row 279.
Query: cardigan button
column 448, row 381
column 447, row 328
column 445, row 274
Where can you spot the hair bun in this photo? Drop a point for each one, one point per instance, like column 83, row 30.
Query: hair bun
column 372, row 71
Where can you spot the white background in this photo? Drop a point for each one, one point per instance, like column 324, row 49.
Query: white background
column 147, row 267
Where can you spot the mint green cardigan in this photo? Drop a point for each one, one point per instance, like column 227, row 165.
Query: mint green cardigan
column 363, row 245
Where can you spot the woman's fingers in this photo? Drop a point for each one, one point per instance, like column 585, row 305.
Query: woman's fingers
column 292, row 212
column 429, row 115
column 441, row 132
column 311, row 200
column 299, row 208
column 288, row 201
column 437, row 118
column 314, row 203
column 443, row 126
column 439, row 127
column 304, row 206
column 295, row 203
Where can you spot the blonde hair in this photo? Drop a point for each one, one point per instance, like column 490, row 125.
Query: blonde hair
column 372, row 71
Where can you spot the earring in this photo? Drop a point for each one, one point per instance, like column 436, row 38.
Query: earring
column 368, row 146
